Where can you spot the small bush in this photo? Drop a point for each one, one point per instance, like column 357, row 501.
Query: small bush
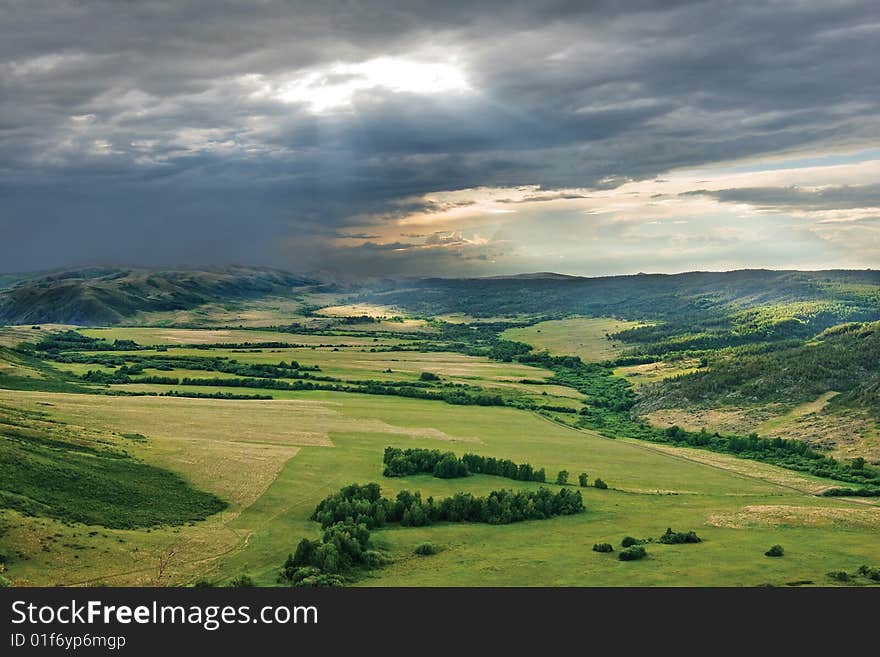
column 312, row 577
column 629, row 541
column 603, row 547
column 672, row 538
column 872, row 573
column 428, row 376
column 242, row 581
column 775, row 551
column 632, row 553
column 203, row 584
column 562, row 477
column 598, row 483
column 840, row 576
column 5, row 582
column 582, row 480
column 425, row 549
column 373, row 560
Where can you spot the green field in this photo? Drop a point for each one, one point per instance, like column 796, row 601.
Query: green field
column 275, row 472
column 580, row 336
column 271, row 462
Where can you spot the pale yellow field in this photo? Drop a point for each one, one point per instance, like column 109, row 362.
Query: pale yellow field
column 640, row 375
column 10, row 336
column 172, row 336
column 360, row 309
column 287, row 422
column 580, row 336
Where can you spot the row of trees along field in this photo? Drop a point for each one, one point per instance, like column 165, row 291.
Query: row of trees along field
column 446, row 465
column 365, row 504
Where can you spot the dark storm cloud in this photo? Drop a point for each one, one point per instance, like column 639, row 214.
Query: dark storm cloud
column 143, row 132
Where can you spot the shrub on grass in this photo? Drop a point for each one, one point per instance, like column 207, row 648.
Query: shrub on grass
column 603, row 547
column 582, row 480
column 871, row 572
column 242, row 581
column 598, row 483
column 672, row 538
column 632, row 553
column 425, row 549
column 775, row 551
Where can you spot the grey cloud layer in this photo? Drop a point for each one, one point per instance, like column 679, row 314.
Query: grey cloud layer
column 130, row 132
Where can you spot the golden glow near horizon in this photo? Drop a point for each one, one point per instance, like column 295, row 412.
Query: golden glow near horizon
column 708, row 210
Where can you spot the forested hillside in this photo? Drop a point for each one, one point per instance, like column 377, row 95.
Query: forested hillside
column 845, row 359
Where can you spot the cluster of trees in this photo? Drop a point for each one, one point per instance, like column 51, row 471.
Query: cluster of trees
column 211, row 395
column 597, row 382
column 852, row 492
column 871, row 572
column 74, row 341
column 672, row 538
column 365, row 505
column 669, row 537
column 791, row 454
column 133, row 365
column 445, row 465
column 343, row 548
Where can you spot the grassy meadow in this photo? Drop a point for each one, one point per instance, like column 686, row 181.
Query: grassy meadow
column 580, row 336
column 271, row 461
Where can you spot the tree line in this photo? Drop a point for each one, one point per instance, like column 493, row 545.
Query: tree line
column 446, row 465
column 365, row 504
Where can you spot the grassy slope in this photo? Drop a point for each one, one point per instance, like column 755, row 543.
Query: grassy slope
column 106, row 296
column 48, row 469
column 263, row 526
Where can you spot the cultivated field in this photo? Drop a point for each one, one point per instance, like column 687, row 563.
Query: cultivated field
column 584, row 337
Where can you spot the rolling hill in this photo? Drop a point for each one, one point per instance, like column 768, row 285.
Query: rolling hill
column 101, row 296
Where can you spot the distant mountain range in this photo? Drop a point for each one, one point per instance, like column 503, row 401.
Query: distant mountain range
column 704, row 301
column 101, row 296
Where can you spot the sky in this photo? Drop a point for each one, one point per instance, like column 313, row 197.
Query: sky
column 440, row 138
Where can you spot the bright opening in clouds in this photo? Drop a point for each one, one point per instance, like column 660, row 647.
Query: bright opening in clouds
column 335, row 87
column 441, row 138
